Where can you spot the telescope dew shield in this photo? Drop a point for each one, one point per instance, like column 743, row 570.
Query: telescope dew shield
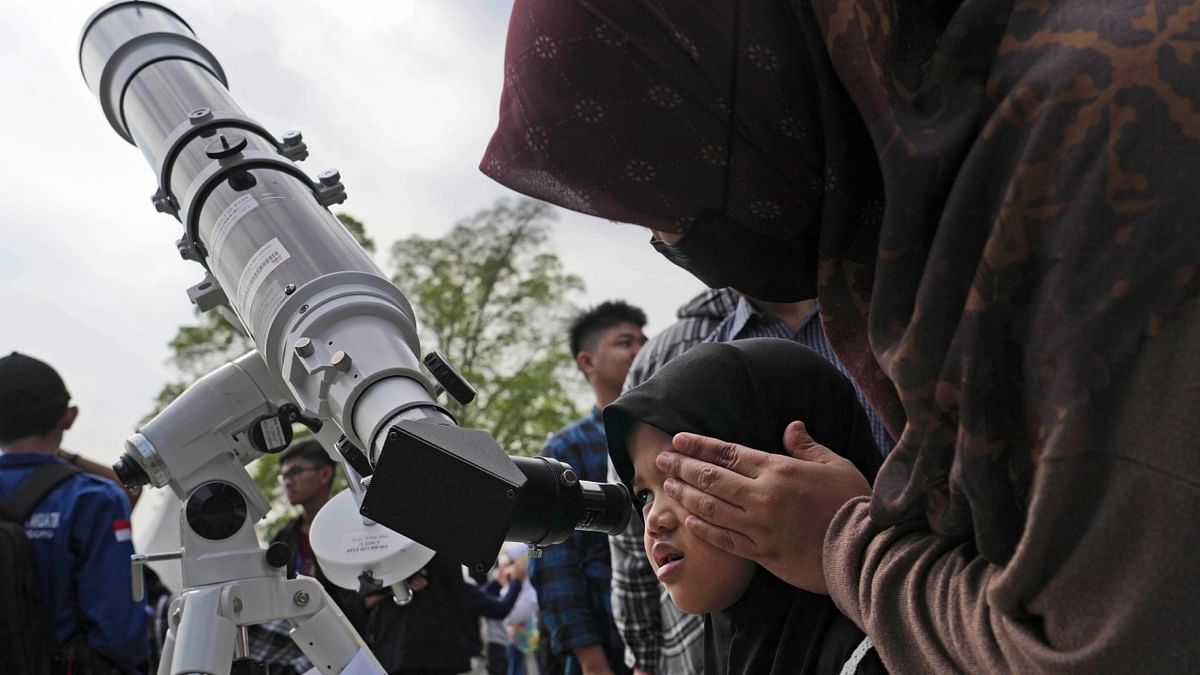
column 121, row 38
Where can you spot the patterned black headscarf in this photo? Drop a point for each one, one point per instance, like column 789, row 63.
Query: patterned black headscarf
column 748, row 391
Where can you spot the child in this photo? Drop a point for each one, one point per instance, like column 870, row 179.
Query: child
column 522, row 621
column 745, row 392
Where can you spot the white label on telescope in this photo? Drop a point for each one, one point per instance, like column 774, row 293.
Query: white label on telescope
column 231, row 216
column 366, row 543
column 272, row 431
column 271, row 255
column 270, row 299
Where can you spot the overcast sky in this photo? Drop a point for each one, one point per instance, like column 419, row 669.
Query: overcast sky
column 400, row 96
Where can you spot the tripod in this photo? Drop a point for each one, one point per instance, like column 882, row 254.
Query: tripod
column 231, row 582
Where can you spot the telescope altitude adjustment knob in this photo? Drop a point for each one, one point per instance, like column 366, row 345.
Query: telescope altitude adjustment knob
column 455, row 384
column 278, row 554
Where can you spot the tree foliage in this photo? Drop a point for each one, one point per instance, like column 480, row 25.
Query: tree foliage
column 493, row 299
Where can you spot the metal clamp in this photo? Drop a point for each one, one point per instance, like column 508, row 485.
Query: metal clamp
column 402, row 593
column 137, row 561
column 201, row 122
column 208, row 293
column 328, row 191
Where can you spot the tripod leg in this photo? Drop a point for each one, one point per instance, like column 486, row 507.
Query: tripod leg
column 204, row 638
column 326, row 637
column 168, row 648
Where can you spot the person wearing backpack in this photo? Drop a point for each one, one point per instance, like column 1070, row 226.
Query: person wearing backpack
column 79, row 616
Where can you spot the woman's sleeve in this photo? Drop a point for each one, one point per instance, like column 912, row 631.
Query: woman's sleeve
column 1103, row 578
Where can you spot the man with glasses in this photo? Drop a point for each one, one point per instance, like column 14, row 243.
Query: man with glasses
column 425, row 636
column 306, row 473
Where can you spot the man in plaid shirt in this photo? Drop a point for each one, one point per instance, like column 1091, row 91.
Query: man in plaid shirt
column 662, row 639
column 573, row 578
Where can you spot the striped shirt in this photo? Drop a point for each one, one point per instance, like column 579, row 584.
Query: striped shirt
column 748, row 322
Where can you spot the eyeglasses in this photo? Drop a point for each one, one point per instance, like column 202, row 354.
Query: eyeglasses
column 294, row 473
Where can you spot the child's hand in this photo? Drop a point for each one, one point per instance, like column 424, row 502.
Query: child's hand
column 772, row 509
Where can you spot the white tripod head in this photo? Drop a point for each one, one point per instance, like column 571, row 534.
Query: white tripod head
column 202, row 442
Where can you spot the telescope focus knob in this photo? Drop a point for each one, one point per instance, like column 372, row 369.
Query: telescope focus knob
column 278, row 554
column 454, row 383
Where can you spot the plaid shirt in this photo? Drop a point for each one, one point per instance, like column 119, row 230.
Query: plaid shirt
column 661, row 639
column 271, row 643
column 573, row 579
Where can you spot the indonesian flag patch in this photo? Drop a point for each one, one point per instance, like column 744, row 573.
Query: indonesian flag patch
column 121, row 530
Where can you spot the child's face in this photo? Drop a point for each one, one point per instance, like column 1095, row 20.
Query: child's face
column 700, row 577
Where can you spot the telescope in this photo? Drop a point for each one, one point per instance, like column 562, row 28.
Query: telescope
column 336, row 351
column 334, row 332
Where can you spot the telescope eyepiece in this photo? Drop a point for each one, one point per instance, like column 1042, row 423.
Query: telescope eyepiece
column 554, row 502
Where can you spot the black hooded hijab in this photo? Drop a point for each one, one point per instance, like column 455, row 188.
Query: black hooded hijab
column 747, row 392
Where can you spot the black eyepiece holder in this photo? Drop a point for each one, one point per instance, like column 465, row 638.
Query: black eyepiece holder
column 455, row 491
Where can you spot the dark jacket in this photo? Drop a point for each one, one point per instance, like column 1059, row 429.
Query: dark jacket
column 426, row 634
column 484, row 602
column 79, row 536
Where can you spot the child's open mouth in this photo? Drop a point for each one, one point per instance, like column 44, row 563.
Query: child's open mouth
column 667, row 559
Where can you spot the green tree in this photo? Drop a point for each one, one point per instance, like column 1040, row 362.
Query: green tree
column 493, row 299
column 199, row 348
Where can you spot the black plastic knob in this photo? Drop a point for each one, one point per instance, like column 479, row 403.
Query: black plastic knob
column 131, row 474
column 350, row 452
column 454, row 383
column 278, row 554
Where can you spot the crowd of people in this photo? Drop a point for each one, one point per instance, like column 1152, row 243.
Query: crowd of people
column 558, row 613
column 937, row 413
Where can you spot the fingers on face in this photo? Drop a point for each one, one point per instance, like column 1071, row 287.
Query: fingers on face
column 706, row 505
column 726, row 540
column 705, row 477
column 708, row 478
column 739, row 458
